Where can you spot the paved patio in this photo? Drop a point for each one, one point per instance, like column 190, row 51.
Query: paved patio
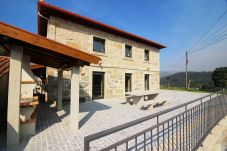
column 53, row 130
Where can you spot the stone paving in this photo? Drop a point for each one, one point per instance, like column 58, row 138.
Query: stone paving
column 53, row 132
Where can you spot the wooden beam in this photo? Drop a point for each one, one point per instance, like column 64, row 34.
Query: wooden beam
column 42, row 42
column 45, row 63
column 45, row 58
column 43, row 52
column 36, row 66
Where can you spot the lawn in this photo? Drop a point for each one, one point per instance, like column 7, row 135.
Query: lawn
column 184, row 89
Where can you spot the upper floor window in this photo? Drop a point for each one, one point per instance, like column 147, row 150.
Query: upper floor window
column 146, row 55
column 98, row 44
column 128, row 51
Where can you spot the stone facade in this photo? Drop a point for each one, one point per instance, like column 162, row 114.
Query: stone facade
column 114, row 63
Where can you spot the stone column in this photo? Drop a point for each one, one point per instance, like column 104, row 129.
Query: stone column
column 74, row 100
column 14, row 97
column 60, row 90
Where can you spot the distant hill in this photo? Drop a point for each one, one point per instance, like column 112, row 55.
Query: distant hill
column 166, row 73
column 198, row 79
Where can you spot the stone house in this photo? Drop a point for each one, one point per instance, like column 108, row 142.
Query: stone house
column 129, row 62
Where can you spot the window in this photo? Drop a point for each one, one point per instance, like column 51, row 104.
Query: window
column 98, row 44
column 128, row 82
column 128, row 51
column 146, row 81
column 146, row 55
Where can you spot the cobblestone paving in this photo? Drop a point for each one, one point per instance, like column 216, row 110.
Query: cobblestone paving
column 53, row 132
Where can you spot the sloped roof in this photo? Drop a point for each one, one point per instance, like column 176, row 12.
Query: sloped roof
column 44, row 51
column 47, row 10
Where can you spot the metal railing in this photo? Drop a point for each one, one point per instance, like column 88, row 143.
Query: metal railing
column 185, row 130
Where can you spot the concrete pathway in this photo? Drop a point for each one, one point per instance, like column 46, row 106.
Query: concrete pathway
column 53, row 132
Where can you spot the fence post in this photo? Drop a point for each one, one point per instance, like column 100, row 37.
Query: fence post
column 158, row 131
column 199, row 120
column 86, row 145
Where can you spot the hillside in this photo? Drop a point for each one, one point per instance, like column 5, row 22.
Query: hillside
column 166, row 73
column 198, row 79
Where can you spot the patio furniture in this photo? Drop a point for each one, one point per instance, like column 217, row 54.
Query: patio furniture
column 142, row 98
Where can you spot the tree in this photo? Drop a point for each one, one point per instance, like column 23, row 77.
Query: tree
column 219, row 77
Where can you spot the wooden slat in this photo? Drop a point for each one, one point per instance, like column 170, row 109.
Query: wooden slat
column 46, row 58
column 28, row 82
column 42, row 42
column 36, row 66
column 41, row 52
column 29, row 104
column 45, row 63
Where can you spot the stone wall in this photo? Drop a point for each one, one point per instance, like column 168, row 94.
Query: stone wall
column 114, row 62
column 217, row 139
column 52, row 78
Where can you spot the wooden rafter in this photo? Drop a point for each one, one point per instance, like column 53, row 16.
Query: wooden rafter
column 43, row 50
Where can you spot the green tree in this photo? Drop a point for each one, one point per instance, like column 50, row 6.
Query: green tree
column 219, row 77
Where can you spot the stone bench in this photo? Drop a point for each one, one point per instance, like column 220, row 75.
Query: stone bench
column 139, row 98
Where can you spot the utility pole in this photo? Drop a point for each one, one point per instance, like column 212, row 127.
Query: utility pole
column 186, row 70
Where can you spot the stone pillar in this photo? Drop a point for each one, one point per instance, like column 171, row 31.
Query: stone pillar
column 14, row 97
column 60, row 90
column 74, row 99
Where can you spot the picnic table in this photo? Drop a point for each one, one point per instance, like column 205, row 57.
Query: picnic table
column 142, row 98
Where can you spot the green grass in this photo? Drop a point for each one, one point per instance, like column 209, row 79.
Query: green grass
column 184, row 89
column 225, row 91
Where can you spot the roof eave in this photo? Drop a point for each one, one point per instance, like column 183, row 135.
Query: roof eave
column 94, row 24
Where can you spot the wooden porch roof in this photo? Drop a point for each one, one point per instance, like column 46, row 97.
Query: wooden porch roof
column 4, row 65
column 44, row 51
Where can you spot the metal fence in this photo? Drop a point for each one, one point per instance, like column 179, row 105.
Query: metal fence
column 185, row 128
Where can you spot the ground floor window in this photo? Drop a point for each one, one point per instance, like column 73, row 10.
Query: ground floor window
column 98, row 85
column 146, row 81
column 128, row 82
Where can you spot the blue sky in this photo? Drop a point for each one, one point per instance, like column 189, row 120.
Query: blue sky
column 176, row 23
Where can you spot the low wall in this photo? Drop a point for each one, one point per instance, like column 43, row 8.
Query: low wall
column 217, row 139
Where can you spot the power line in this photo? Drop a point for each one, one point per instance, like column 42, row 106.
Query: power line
column 217, row 31
column 221, row 28
column 190, row 51
column 219, row 35
column 179, row 61
column 204, row 34
column 199, row 49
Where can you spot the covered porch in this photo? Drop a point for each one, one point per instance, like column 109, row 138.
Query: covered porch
column 19, row 44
